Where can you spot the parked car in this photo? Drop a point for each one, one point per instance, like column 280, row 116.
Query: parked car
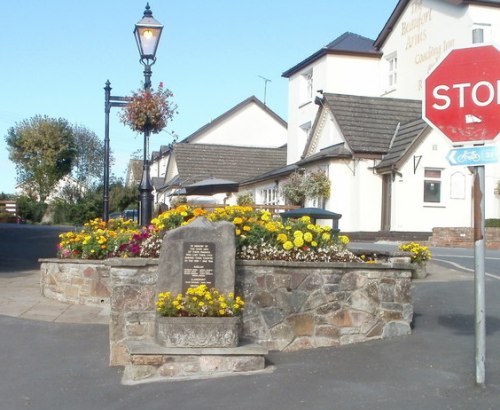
column 130, row 214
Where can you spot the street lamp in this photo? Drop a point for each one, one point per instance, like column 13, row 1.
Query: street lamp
column 147, row 34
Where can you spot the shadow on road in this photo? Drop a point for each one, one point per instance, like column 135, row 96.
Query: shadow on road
column 464, row 324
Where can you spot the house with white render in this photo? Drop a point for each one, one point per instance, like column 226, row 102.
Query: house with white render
column 354, row 111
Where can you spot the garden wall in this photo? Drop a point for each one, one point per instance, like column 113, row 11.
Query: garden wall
column 78, row 281
column 289, row 306
column 463, row 237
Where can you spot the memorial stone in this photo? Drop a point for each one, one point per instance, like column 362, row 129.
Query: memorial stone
column 202, row 252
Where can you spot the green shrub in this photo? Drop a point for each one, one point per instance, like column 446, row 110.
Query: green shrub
column 29, row 209
column 492, row 223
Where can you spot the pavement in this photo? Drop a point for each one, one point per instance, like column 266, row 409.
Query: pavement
column 20, row 296
column 55, row 356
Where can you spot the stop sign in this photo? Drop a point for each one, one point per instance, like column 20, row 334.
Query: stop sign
column 462, row 95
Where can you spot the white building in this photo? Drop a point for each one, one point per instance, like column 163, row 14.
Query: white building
column 224, row 148
column 388, row 169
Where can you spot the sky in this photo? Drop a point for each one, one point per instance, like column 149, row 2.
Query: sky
column 57, row 56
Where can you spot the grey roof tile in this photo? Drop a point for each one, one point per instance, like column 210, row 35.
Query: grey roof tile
column 369, row 123
column 196, row 162
column 405, row 137
column 334, row 151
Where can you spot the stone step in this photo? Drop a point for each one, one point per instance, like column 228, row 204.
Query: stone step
column 150, row 361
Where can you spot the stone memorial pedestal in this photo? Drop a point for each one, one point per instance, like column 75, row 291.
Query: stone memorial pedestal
column 202, row 252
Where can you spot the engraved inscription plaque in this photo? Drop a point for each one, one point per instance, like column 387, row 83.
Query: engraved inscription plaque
column 198, row 264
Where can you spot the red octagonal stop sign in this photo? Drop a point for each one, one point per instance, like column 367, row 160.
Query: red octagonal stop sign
column 462, row 95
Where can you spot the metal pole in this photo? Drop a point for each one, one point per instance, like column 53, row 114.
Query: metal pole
column 479, row 282
column 107, row 109
column 145, row 187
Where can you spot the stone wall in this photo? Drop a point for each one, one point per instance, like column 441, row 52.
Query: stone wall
column 290, row 306
column 76, row 281
column 463, row 237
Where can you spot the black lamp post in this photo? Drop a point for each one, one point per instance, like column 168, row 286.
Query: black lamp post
column 147, row 33
column 109, row 101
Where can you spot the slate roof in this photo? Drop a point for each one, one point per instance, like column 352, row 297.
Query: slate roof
column 335, row 151
column 157, row 182
column 348, row 43
column 273, row 174
column 369, row 123
column 196, row 162
column 401, row 6
column 404, row 139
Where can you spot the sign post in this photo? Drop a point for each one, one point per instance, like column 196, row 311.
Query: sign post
column 462, row 99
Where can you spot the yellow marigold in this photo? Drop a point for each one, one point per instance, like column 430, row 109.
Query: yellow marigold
column 282, row 238
column 287, row 245
column 298, row 241
column 237, row 221
column 308, row 237
column 314, row 244
column 298, row 234
column 266, row 216
column 344, row 239
column 326, row 236
column 247, row 228
column 238, row 232
column 306, row 219
column 270, row 226
column 199, row 212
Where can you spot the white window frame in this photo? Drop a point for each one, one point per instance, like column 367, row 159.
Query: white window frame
column 392, row 71
column 486, row 28
column 269, row 195
column 306, row 86
column 429, row 181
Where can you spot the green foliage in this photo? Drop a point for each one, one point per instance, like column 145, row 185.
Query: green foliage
column 149, row 110
column 7, row 197
column 492, row 223
column 76, row 207
column 308, row 185
column 245, row 199
column 43, row 150
column 88, row 164
column 30, row 209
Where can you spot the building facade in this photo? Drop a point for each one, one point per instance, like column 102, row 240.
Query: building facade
column 404, row 183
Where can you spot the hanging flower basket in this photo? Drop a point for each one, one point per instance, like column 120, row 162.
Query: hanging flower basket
column 149, row 110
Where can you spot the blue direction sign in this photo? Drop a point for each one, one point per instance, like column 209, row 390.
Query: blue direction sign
column 469, row 156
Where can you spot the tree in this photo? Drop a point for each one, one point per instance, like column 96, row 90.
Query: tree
column 43, row 150
column 88, row 164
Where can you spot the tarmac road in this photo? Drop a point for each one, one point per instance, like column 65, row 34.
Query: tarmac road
column 48, row 365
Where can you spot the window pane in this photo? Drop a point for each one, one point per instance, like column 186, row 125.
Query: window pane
column 432, row 191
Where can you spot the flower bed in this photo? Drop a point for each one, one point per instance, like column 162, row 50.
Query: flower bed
column 259, row 236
